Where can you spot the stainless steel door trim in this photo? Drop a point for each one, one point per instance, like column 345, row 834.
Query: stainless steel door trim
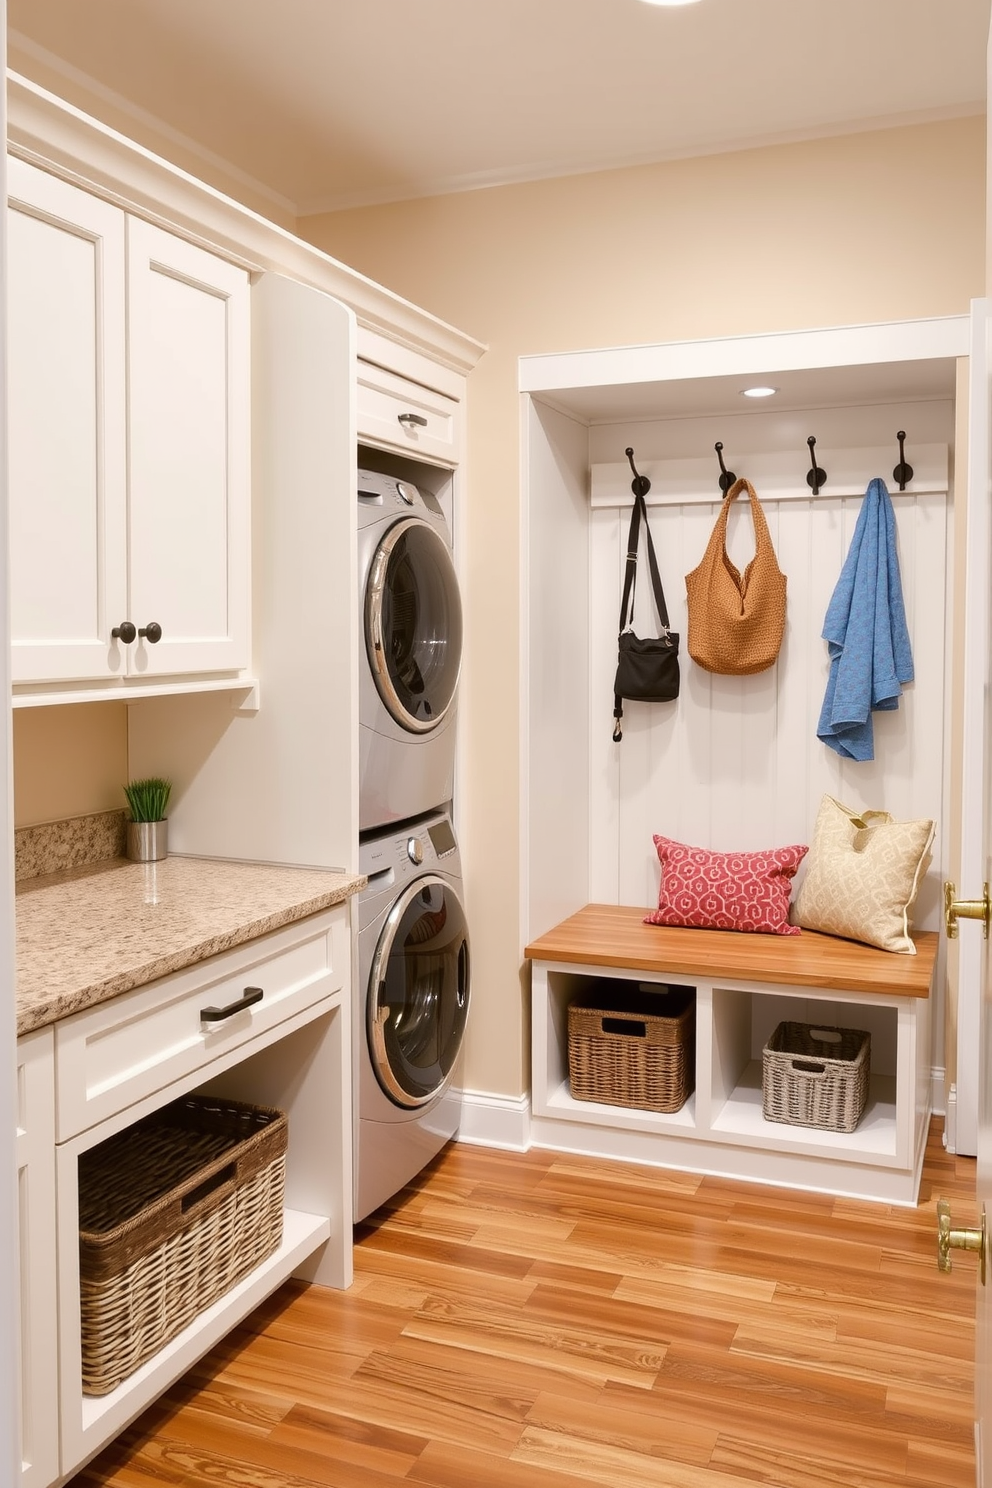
column 374, row 592
column 377, row 1017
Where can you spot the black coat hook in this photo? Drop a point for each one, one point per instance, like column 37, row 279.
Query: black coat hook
column 816, row 476
column 902, row 472
column 727, row 477
column 640, row 485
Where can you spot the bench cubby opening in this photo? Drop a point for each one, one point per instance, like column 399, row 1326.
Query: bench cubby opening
column 562, row 988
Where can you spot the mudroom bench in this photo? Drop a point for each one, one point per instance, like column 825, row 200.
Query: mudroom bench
column 744, row 986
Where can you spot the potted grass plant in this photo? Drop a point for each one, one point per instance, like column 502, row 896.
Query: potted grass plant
column 147, row 831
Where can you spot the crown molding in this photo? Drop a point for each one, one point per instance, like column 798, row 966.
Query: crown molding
column 53, row 134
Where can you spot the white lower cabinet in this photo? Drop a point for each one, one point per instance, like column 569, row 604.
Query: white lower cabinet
column 721, row 1128
column 36, row 1221
column 124, row 1059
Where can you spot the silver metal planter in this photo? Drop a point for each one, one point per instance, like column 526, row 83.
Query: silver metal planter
column 147, row 842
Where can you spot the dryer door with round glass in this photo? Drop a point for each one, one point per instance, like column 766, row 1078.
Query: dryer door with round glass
column 418, row 992
column 413, row 624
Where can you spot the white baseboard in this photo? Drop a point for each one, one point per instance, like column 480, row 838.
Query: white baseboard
column 495, row 1120
column 951, row 1121
column 489, row 1120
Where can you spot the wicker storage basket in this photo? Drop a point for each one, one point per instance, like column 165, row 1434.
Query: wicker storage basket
column 172, row 1212
column 630, row 1046
column 812, row 1075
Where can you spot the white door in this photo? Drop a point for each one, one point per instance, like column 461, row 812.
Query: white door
column 974, row 1043
column 65, row 348
column 977, row 820
column 188, row 455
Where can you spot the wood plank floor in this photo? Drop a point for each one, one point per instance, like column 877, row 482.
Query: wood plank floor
column 545, row 1319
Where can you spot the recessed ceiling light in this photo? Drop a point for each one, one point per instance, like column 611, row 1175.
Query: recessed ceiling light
column 759, row 392
column 670, row 2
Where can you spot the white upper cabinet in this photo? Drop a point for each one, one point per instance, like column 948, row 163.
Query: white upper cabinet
column 399, row 414
column 188, row 427
column 129, row 420
column 67, row 432
column 407, row 403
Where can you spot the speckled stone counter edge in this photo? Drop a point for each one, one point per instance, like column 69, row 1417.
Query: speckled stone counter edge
column 98, row 934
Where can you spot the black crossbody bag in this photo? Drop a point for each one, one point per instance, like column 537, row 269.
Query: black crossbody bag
column 647, row 670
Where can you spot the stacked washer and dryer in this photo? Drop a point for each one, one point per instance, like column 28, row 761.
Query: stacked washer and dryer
column 412, row 986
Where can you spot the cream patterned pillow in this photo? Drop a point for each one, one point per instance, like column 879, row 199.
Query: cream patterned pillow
column 863, row 874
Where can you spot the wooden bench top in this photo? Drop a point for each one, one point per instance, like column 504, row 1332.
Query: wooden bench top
column 615, row 935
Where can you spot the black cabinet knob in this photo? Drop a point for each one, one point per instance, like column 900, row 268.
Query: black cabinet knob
column 124, row 632
column 152, row 632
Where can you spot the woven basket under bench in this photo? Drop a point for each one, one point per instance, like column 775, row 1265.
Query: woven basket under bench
column 633, row 1045
column 812, row 1075
column 172, row 1212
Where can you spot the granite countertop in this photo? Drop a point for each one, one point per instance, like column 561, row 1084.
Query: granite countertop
column 90, row 933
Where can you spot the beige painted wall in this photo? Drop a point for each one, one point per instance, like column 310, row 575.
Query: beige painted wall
column 870, row 227
column 68, row 761
column 862, row 228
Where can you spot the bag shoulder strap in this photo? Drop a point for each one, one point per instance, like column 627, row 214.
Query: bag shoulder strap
column 630, row 573
column 761, row 534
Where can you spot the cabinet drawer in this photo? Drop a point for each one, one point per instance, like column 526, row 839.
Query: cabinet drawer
column 405, row 416
column 125, row 1049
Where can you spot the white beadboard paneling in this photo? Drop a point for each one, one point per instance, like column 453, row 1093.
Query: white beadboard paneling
column 735, row 762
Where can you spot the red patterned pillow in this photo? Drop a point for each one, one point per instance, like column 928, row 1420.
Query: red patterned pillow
column 704, row 890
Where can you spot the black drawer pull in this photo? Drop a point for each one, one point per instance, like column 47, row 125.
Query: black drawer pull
column 217, row 1015
column 412, row 420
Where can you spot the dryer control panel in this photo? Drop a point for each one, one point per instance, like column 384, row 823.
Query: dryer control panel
column 380, row 495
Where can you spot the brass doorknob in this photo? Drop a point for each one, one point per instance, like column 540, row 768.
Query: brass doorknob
column 965, row 909
column 949, row 1239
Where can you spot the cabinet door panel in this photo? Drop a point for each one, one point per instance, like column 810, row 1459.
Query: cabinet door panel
column 188, row 454
column 65, row 319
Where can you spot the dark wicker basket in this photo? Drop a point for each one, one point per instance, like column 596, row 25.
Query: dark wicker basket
column 812, row 1075
column 630, row 1046
column 172, row 1212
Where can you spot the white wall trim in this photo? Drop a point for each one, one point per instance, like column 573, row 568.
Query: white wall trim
column 773, row 351
column 938, row 1094
column 495, row 1121
column 951, row 1121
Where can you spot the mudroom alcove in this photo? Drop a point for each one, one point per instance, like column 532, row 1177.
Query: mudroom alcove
column 735, row 762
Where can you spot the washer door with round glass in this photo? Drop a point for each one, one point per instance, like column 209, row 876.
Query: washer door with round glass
column 413, row 624
column 418, row 993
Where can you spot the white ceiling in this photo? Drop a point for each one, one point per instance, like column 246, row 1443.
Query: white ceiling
column 323, row 104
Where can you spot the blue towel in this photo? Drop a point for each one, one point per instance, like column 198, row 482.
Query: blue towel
column 866, row 633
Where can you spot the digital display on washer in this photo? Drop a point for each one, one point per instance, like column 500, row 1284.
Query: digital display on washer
column 442, row 838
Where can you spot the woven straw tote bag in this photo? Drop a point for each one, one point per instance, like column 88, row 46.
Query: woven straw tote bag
column 736, row 621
